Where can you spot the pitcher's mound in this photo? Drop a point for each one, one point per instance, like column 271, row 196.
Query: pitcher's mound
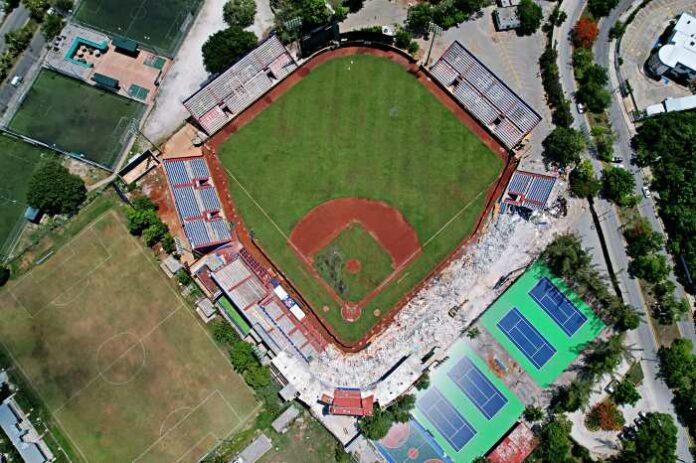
column 353, row 266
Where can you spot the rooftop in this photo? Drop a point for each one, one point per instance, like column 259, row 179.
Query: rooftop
column 351, row 402
column 681, row 47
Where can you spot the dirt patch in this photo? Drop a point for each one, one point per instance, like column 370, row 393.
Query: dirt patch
column 353, row 266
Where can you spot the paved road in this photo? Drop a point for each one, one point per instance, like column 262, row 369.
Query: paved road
column 16, row 19
column 28, row 59
column 656, row 394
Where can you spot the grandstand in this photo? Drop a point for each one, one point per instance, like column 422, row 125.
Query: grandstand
column 197, row 202
column 274, row 316
column 529, row 190
column 485, row 96
column 239, row 86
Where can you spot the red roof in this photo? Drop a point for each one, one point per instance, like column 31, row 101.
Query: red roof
column 515, row 447
column 350, row 402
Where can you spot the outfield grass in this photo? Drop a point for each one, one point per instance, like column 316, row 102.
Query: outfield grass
column 123, row 366
column 17, row 162
column 359, row 127
column 77, row 117
column 155, row 24
column 353, row 243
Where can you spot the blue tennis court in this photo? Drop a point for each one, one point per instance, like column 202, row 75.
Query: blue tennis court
column 448, row 421
column 477, row 387
column 558, row 306
column 527, row 339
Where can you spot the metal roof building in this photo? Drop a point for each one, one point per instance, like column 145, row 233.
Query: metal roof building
column 197, row 202
column 235, row 89
column 484, row 95
column 529, row 190
column 22, row 434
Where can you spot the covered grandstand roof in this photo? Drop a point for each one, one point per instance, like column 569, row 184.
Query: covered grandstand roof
column 239, row 86
column 351, row 402
column 515, row 448
column 484, row 95
column 529, row 190
column 197, row 202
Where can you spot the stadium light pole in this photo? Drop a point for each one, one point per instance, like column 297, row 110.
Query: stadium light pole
column 435, row 29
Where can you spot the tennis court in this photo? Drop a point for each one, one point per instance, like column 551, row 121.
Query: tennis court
column 558, row 306
column 479, row 389
column 542, row 323
column 156, row 24
column 527, row 339
column 467, row 409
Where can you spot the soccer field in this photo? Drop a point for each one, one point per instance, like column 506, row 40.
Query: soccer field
column 77, row 117
column 17, row 162
column 359, row 127
column 156, row 24
column 125, row 368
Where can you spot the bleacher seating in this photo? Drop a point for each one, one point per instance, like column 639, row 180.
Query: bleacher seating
column 196, row 202
column 240, row 85
column 484, row 95
column 529, row 190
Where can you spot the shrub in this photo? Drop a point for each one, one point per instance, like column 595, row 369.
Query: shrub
column 585, row 33
column 605, row 416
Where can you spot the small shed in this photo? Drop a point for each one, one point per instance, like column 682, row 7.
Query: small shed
column 123, row 45
column 285, row 419
column 33, row 214
column 506, row 18
column 205, row 309
column 170, row 265
column 288, row 393
column 106, row 82
column 254, row 451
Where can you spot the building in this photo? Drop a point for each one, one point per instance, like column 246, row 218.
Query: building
column 254, row 451
column 485, row 96
column 235, row 89
column 529, row 190
column 671, row 105
column 677, row 56
column 285, row 419
column 506, row 18
column 516, row 446
column 349, row 402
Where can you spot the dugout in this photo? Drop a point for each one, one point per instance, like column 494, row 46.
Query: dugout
column 125, row 46
column 106, row 82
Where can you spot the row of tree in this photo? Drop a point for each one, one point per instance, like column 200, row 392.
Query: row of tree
column 143, row 221
column 226, row 47
column 678, row 369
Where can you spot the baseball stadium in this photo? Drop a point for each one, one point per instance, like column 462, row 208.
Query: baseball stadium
column 356, row 220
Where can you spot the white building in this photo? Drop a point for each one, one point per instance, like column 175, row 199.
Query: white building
column 678, row 55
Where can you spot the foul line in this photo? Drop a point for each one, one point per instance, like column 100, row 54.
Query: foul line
column 454, row 217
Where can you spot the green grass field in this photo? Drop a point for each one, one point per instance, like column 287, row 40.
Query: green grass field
column 353, row 243
column 155, row 24
column 567, row 349
column 488, row 431
column 17, row 162
column 359, row 126
column 77, row 117
column 123, row 365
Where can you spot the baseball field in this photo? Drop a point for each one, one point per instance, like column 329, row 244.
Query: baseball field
column 122, row 364
column 358, row 182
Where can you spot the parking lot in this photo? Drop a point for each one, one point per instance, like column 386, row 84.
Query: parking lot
column 639, row 39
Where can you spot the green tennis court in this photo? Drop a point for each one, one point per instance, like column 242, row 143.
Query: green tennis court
column 545, row 346
column 487, row 414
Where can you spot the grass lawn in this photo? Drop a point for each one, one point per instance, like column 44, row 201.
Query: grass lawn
column 77, row 117
column 155, row 24
column 17, row 162
column 306, row 441
column 353, row 244
column 359, row 126
column 122, row 365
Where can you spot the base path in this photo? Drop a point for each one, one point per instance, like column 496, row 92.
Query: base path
column 386, row 225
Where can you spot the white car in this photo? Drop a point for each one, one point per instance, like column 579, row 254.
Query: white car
column 646, row 191
column 16, row 80
column 581, row 108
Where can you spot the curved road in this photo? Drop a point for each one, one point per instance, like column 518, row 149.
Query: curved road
column 656, row 394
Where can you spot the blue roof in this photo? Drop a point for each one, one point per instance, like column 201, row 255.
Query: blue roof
column 9, row 422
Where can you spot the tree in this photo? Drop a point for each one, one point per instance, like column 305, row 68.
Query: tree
column 239, row 13
column 554, row 441
column 257, row 377
column 530, row 16
column 562, row 147
column 377, row 426
column 601, row 8
column 583, row 183
column 605, row 416
column 4, row 275
column 565, row 255
column 37, row 8
column 419, row 17
column 52, row 26
column 155, row 232
column 10, row 5
column 423, row 382
column 651, row 268
column 400, row 410
column 533, row 413
column 183, row 277
column 641, row 239
column 226, row 47
column 655, row 441
column 19, row 39
column 138, row 220
column 242, row 356
column 668, row 309
column 402, row 39
column 54, row 190
column 64, row 5
column 473, row 332
column 604, row 141
column 618, row 185
column 572, row 397
column 314, row 13
column 677, row 364
column 625, row 393
column 585, row 32
column 592, row 89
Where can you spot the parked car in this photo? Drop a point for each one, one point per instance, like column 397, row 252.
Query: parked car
column 16, row 80
column 611, row 386
column 646, row 191
column 617, row 160
column 581, row 108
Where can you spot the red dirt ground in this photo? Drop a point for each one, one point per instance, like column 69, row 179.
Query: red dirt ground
column 353, row 266
column 325, row 222
column 242, row 233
